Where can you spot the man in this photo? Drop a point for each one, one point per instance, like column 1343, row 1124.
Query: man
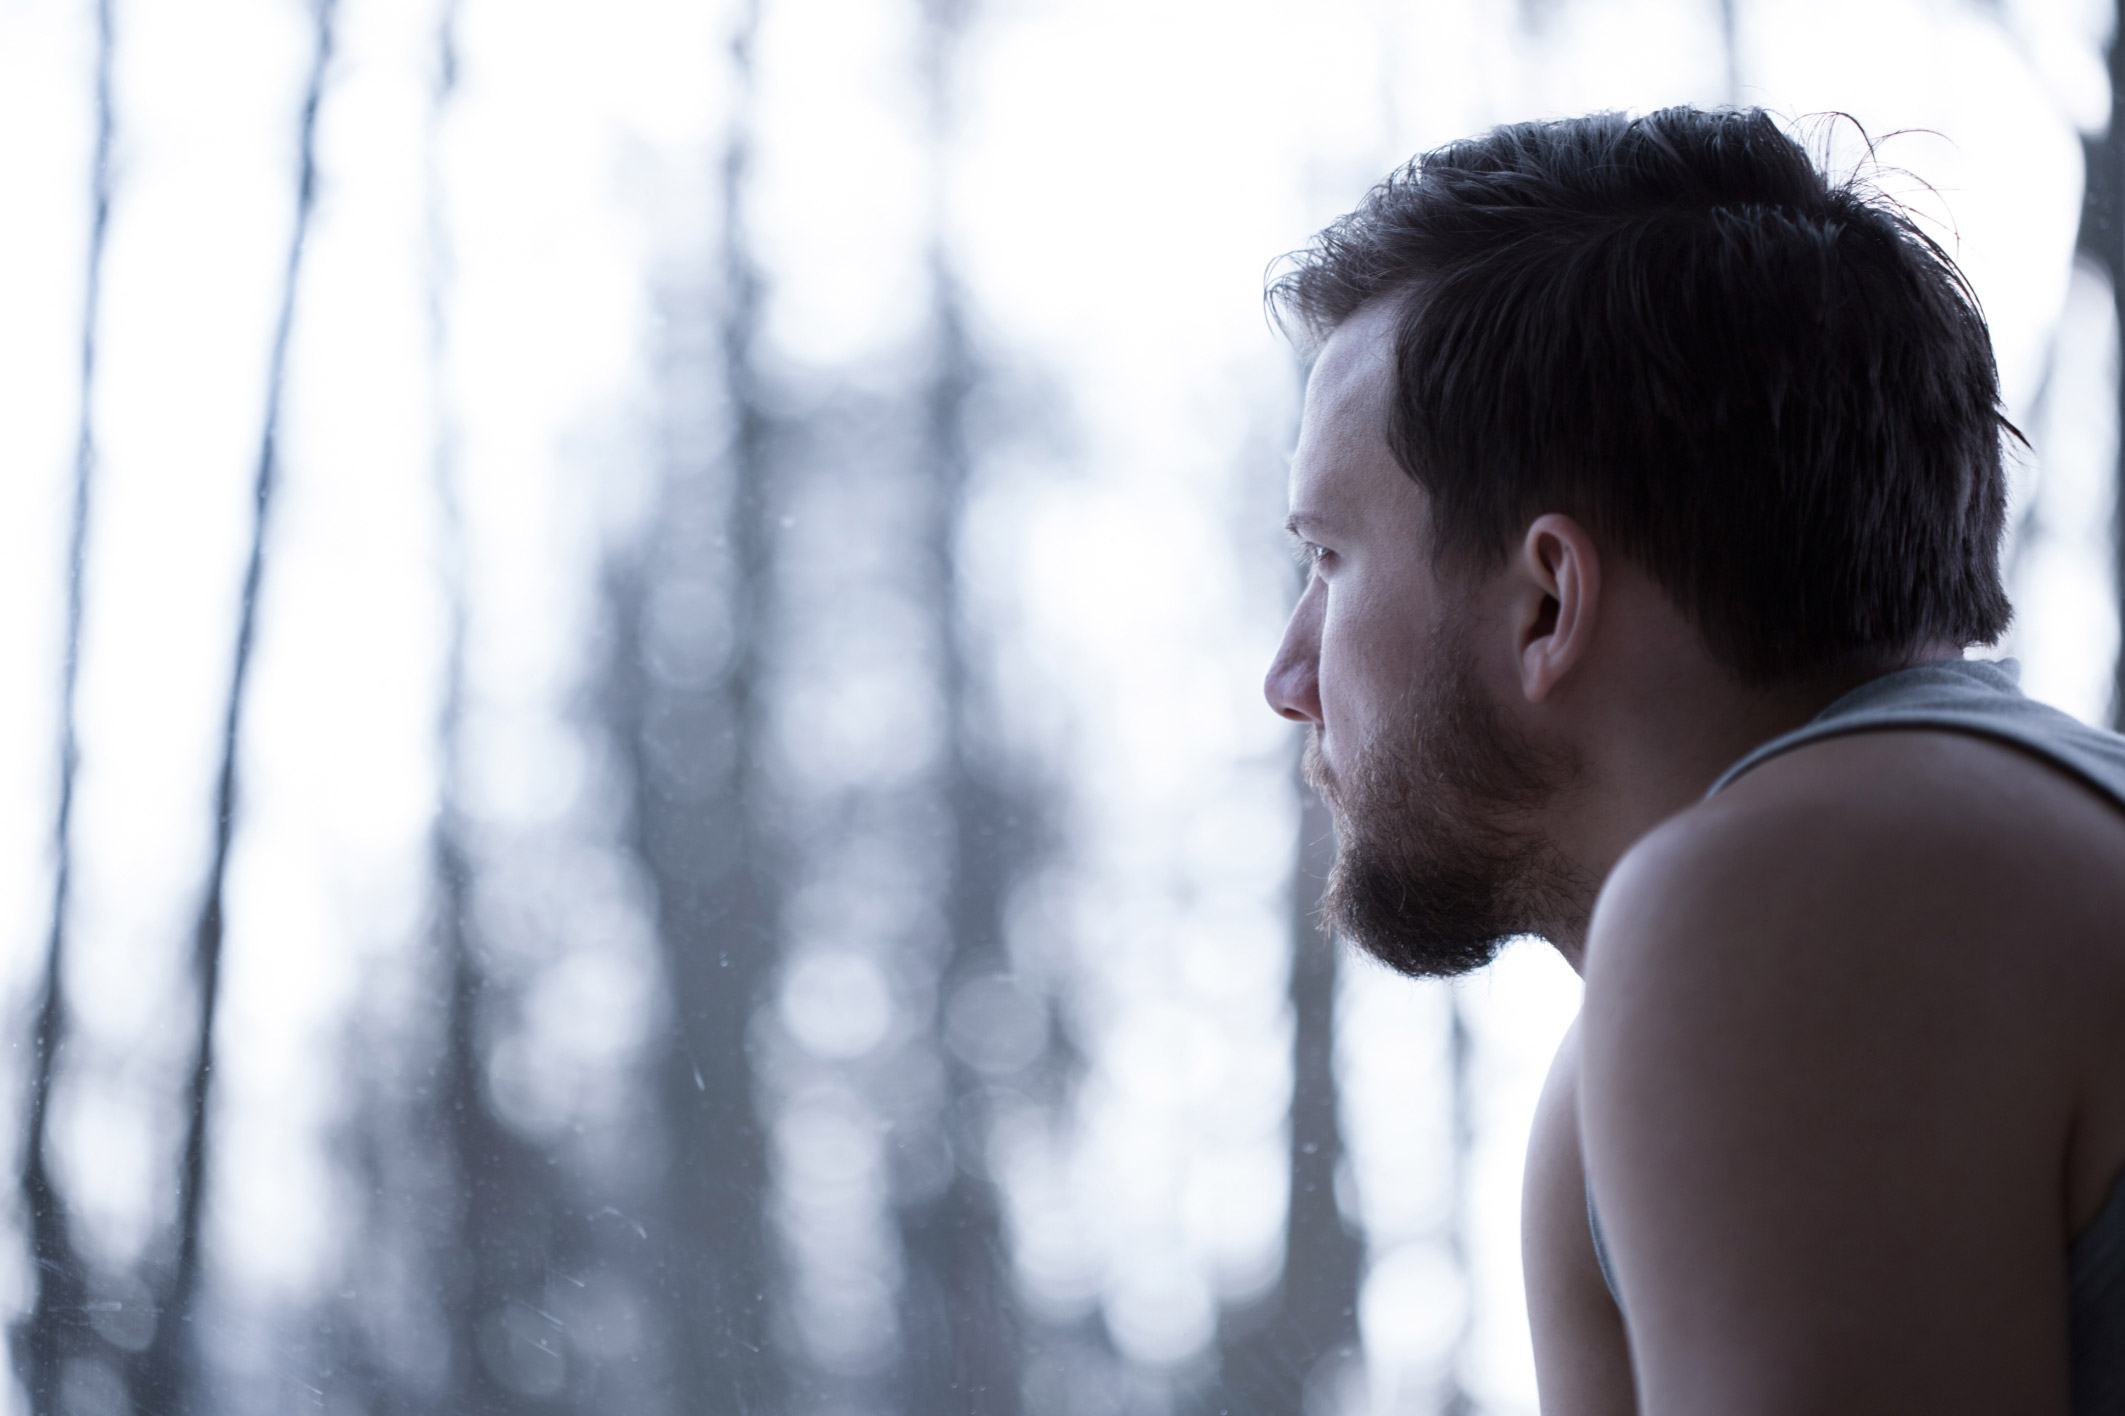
column 1651, row 488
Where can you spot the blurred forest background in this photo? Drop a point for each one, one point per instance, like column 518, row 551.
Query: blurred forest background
column 631, row 770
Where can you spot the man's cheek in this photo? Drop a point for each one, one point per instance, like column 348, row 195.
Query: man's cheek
column 1355, row 672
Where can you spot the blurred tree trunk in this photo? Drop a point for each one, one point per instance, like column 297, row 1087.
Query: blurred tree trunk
column 166, row 1378
column 495, row 1242
column 55, row 1326
column 1308, row 1324
column 1318, row 1299
column 2102, row 239
column 515, row 1221
column 963, row 1350
column 694, row 748
column 467, row 1221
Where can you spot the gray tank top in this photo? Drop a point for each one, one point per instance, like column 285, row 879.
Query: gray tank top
column 1975, row 696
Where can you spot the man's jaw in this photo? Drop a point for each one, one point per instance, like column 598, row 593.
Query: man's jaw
column 1479, row 895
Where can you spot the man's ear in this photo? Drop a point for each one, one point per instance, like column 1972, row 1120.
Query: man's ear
column 1560, row 602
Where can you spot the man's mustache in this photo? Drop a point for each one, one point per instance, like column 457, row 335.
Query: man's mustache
column 1314, row 769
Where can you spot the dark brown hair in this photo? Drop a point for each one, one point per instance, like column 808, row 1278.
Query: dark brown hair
column 1769, row 389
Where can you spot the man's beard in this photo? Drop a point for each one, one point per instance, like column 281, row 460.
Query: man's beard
column 1436, row 864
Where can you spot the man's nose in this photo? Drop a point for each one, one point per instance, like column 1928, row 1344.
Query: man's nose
column 1293, row 685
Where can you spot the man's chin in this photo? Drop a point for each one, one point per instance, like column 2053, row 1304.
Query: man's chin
column 1435, row 923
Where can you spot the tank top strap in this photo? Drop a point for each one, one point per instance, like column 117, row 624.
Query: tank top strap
column 1977, row 696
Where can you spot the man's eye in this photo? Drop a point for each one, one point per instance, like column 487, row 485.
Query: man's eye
column 1306, row 553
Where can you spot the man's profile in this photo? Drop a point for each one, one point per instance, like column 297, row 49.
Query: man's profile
column 1651, row 484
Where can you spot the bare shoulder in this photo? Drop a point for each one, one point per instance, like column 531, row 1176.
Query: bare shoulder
column 1582, row 1358
column 1908, row 871
column 1920, row 804
column 1839, row 1031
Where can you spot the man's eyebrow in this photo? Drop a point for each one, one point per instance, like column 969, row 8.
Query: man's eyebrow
column 1300, row 522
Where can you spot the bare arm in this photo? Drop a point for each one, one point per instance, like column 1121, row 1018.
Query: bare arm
column 1582, row 1366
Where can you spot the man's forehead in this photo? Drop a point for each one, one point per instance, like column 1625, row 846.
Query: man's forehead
column 1358, row 352
column 1345, row 421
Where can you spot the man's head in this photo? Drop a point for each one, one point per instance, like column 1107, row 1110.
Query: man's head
column 1670, row 342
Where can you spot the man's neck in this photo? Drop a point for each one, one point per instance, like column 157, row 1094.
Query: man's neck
column 1660, row 744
